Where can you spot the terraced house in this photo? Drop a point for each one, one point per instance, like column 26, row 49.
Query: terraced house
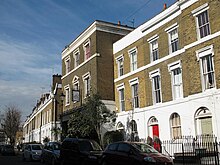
column 87, row 67
column 44, row 120
column 167, row 73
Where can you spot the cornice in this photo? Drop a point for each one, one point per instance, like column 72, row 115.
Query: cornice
column 156, row 22
column 95, row 26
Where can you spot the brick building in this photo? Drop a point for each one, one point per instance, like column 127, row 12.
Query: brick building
column 44, row 120
column 87, row 66
column 167, row 73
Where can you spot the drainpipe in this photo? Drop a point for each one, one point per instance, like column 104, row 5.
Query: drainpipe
column 54, row 116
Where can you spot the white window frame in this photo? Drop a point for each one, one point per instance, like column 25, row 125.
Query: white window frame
column 67, row 64
column 87, row 84
column 171, row 68
column 153, row 75
column 75, row 83
column 200, row 54
column 120, row 59
column 75, row 80
column 133, row 64
column 169, row 31
column 151, row 41
column 196, row 13
column 67, row 95
column 76, row 60
column 84, row 48
column 132, row 83
column 121, row 87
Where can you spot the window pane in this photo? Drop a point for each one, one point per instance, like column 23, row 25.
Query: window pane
column 135, row 95
column 121, row 67
column 203, row 23
column 113, row 147
column 177, row 83
column 121, row 99
column 76, row 59
column 208, row 72
column 156, row 89
column 76, row 86
column 85, row 146
column 67, row 96
column 87, row 86
column 87, row 50
column 174, row 40
column 175, row 125
column 123, row 147
column 154, row 50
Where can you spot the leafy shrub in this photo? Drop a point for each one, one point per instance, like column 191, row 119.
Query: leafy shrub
column 112, row 136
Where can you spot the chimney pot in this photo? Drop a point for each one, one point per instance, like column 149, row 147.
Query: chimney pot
column 164, row 6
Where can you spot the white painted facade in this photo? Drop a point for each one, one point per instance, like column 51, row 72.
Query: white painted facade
column 185, row 107
column 39, row 134
column 44, row 117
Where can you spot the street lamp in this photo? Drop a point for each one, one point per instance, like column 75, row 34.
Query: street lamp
column 58, row 99
column 62, row 97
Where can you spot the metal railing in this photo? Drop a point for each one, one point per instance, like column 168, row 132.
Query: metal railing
column 202, row 149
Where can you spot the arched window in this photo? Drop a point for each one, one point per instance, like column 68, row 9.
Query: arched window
column 120, row 126
column 203, row 121
column 153, row 120
column 175, row 123
column 133, row 126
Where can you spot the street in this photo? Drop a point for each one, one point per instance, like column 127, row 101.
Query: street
column 15, row 160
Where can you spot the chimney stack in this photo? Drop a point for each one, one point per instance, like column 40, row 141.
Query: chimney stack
column 119, row 22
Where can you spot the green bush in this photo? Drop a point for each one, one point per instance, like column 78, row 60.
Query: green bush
column 112, row 136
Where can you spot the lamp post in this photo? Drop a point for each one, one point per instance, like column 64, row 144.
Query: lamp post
column 131, row 122
column 62, row 97
column 58, row 105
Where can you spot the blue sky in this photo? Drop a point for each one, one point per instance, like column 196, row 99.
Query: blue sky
column 34, row 32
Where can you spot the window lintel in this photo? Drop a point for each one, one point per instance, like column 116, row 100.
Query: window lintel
column 132, row 50
column 75, row 79
column 86, row 42
column 174, row 65
column 153, row 38
column 67, row 58
column 66, row 86
column 200, row 9
column 154, row 73
column 120, row 86
column 121, row 57
column 87, row 75
column 171, row 28
column 76, row 51
column 133, row 81
column 204, row 51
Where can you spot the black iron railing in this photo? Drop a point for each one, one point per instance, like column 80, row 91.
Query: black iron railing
column 202, row 149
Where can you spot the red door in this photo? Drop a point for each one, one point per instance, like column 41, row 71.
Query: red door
column 156, row 133
column 155, row 130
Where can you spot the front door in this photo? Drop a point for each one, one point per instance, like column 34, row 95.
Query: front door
column 155, row 130
column 155, row 136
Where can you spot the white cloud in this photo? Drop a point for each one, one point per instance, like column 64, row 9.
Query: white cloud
column 25, row 73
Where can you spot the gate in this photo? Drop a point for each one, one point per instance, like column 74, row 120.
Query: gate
column 202, row 149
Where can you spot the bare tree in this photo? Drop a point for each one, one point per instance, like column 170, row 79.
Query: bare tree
column 11, row 122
